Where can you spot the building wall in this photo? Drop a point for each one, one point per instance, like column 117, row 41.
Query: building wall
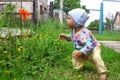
column 117, row 22
column 42, row 7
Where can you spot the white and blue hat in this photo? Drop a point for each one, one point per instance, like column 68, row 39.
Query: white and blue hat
column 79, row 16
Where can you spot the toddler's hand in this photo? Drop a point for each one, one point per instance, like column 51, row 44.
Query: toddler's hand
column 77, row 54
column 62, row 36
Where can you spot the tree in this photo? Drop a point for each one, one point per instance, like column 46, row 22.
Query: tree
column 69, row 5
column 94, row 24
column 108, row 25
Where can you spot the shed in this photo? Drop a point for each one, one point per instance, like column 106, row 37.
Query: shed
column 117, row 21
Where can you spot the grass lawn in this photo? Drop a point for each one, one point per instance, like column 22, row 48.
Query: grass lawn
column 109, row 35
column 64, row 71
column 42, row 56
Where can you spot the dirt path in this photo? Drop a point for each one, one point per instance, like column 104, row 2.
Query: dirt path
column 112, row 44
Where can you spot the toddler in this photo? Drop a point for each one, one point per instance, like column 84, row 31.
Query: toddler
column 87, row 48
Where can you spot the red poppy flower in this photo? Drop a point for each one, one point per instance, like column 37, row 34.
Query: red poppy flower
column 24, row 13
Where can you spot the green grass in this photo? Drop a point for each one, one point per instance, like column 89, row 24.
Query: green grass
column 109, row 35
column 64, row 71
column 42, row 56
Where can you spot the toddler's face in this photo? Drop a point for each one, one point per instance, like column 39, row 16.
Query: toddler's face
column 70, row 21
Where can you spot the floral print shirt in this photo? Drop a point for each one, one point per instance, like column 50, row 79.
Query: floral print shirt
column 83, row 41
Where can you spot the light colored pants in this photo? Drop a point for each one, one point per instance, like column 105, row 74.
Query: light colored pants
column 94, row 58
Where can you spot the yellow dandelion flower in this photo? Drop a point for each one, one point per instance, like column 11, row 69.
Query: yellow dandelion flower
column 19, row 49
column 14, row 79
column 7, row 72
column 5, row 52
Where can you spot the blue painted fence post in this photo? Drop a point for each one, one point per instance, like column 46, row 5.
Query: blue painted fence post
column 101, row 18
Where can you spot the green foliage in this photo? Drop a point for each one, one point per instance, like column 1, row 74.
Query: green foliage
column 10, row 19
column 7, row 15
column 69, row 5
column 41, row 55
column 9, row 7
column 108, row 25
column 110, row 56
column 94, row 24
column 31, row 56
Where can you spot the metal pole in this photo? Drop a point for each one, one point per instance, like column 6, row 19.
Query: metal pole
column 101, row 18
